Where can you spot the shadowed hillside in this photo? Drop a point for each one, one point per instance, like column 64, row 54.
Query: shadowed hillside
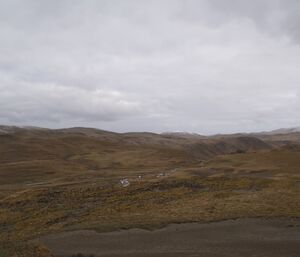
column 31, row 155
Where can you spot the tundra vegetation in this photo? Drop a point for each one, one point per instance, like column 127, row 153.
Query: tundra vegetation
column 64, row 180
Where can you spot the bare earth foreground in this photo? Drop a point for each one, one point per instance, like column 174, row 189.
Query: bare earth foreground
column 242, row 237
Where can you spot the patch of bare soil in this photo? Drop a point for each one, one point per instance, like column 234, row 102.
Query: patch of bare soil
column 233, row 238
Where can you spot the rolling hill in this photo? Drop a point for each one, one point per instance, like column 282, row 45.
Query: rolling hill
column 70, row 179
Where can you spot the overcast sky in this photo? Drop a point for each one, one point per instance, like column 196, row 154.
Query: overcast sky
column 205, row 66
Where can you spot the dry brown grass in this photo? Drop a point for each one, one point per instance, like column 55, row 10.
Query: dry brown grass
column 58, row 183
column 147, row 203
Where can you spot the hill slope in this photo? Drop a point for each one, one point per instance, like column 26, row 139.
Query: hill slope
column 70, row 179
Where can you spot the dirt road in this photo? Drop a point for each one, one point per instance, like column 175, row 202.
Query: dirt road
column 234, row 238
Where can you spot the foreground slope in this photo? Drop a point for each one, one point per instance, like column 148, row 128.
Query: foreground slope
column 231, row 238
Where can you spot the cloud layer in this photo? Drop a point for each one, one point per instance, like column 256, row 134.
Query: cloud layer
column 203, row 66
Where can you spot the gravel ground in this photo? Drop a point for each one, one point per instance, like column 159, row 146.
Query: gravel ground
column 232, row 238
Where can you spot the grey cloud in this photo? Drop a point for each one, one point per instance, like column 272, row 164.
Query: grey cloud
column 275, row 17
column 36, row 102
column 204, row 66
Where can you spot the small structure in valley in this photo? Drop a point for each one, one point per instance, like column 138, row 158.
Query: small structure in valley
column 124, row 182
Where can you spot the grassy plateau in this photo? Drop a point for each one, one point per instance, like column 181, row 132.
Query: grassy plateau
column 52, row 181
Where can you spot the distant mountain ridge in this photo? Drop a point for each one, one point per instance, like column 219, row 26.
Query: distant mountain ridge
column 70, row 141
column 4, row 129
column 283, row 131
column 76, row 151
